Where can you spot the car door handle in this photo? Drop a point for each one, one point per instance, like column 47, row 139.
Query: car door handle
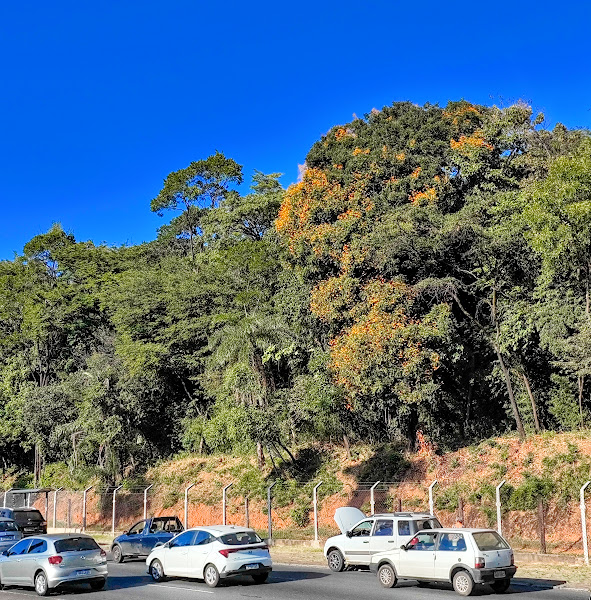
column 366, row 542
column 390, row 541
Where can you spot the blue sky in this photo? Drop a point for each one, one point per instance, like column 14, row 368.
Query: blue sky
column 101, row 100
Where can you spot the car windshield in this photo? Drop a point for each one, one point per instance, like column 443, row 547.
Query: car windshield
column 240, row 538
column 81, row 544
column 25, row 515
column 431, row 523
column 8, row 526
column 490, row 540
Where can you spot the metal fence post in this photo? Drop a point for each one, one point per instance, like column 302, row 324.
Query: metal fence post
column 584, row 522
column 246, row 515
column 224, row 501
column 84, row 507
column 371, row 496
column 113, row 518
column 146, row 501
column 269, row 507
column 187, row 505
column 498, row 502
column 4, row 501
column 59, row 489
column 431, row 508
column 316, row 510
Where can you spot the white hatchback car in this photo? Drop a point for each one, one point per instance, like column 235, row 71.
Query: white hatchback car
column 463, row 557
column 364, row 536
column 212, row 553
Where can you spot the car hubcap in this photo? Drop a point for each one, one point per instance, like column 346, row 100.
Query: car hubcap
column 335, row 561
column 462, row 584
column 210, row 575
column 385, row 576
column 40, row 584
column 156, row 571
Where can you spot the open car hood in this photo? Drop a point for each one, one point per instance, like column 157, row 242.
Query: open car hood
column 347, row 516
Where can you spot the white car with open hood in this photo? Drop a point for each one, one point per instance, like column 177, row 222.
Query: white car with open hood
column 362, row 536
column 463, row 557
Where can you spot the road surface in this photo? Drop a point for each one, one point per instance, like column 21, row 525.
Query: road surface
column 129, row 581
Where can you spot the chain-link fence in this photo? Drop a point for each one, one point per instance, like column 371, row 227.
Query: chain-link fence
column 306, row 511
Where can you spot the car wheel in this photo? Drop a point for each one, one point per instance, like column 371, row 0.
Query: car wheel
column 41, row 586
column 98, row 585
column 336, row 562
column 117, row 554
column 157, row 571
column 211, row 576
column 260, row 577
column 500, row 586
column 463, row 583
column 387, row 576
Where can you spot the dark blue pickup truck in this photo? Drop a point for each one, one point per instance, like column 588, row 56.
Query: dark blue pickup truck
column 143, row 536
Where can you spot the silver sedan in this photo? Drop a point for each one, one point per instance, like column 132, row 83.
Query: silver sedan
column 46, row 562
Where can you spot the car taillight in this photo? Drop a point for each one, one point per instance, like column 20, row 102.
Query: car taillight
column 55, row 560
column 103, row 553
column 512, row 560
column 227, row 551
column 479, row 562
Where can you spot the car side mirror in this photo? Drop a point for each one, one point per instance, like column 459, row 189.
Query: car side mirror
column 349, row 534
column 4, row 553
column 403, row 547
column 169, row 545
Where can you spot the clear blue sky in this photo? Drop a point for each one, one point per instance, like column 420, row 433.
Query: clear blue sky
column 101, row 100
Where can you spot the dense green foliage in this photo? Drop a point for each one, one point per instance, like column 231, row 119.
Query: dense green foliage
column 430, row 272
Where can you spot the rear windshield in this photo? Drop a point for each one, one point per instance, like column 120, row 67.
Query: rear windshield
column 241, row 538
column 490, row 540
column 8, row 526
column 81, row 544
column 25, row 515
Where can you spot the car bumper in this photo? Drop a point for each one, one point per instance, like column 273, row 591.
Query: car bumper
column 56, row 579
column 488, row 575
column 244, row 571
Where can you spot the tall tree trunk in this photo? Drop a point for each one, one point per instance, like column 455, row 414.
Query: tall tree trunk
column 514, row 408
column 260, row 455
column 534, row 408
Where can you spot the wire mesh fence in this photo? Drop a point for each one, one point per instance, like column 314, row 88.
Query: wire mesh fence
column 551, row 527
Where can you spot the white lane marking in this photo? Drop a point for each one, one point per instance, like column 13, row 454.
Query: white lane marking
column 178, row 587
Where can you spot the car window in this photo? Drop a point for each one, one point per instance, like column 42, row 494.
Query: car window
column 137, row 528
column 202, row 538
column 452, row 542
column 384, row 527
column 184, row 539
column 240, row 538
column 75, row 544
column 489, row 540
column 38, row 547
column 422, row 541
column 165, row 524
column 22, row 516
column 431, row 523
column 20, row 548
column 8, row 526
column 363, row 529
column 403, row 527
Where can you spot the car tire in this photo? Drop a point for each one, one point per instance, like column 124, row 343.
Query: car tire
column 387, row 576
column 117, row 554
column 41, row 585
column 501, row 586
column 260, row 577
column 336, row 561
column 98, row 585
column 157, row 571
column 463, row 583
column 211, row 576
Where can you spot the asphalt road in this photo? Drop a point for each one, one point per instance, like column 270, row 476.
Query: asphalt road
column 129, row 581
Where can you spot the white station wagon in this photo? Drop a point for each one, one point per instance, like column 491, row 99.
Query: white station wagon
column 364, row 536
column 463, row 557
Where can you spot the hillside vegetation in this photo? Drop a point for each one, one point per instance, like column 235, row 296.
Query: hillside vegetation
column 429, row 273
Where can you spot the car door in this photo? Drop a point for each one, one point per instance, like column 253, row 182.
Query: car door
column 30, row 561
column 198, row 552
column 418, row 560
column 176, row 556
column 357, row 550
column 383, row 536
column 161, row 530
column 13, row 570
column 451, row 550
column 133, row 540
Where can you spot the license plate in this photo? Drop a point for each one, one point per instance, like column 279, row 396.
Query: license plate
column 252, row 566
column 499, row 574
column 83, row 572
